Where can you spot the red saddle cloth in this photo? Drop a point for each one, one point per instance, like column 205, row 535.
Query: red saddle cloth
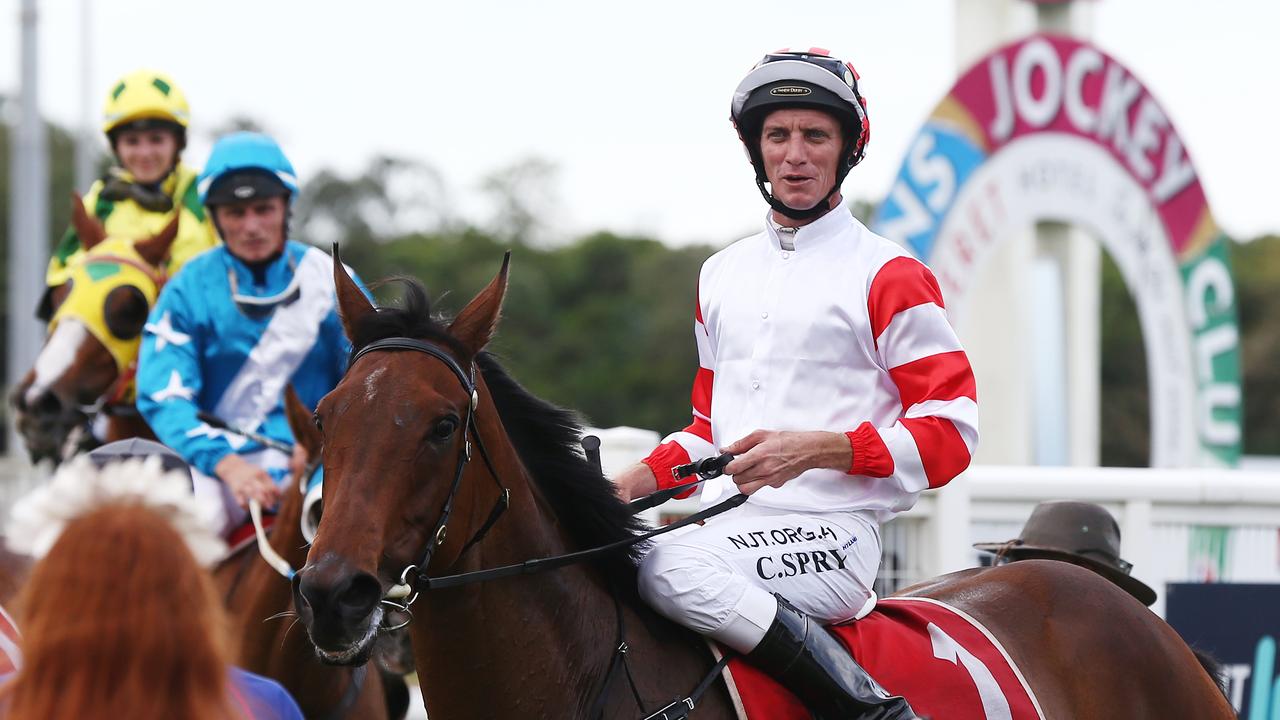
column 245, row 535
column 941, row 660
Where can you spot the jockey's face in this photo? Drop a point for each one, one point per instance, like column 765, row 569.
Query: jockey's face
column 148, row 155
column 801, row 149
column 254, row 229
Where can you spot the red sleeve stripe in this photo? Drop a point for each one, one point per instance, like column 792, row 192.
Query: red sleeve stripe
column 962, row 412
column 699, row 428
column 915, row 333
column 942, row 451
column 944, row 376
column 662, row 459
column 901, row 283
column 701, row 395
column 871, row 457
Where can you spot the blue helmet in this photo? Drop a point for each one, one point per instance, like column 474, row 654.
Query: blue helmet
column 246, row 165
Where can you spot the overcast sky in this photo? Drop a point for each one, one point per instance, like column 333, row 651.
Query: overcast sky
column 629, row 101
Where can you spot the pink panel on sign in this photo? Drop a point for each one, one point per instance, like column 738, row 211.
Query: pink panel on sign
column 1052, row 84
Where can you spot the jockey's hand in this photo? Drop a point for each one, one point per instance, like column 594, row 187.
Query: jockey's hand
column 772, row 458
column 298, row 462
column 246, row 480
column 635, row 482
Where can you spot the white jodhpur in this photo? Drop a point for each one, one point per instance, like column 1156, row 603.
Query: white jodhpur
column 718, row 579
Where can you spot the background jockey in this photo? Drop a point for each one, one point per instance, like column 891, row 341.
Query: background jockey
column 145, row 120
column 239, row 323
column 828, row 367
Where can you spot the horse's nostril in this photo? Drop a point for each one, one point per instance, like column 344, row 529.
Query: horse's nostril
column 360, row 597
column 47, row 404
column 300, row 588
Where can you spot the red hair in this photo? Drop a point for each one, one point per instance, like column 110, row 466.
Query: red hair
column 119, row 621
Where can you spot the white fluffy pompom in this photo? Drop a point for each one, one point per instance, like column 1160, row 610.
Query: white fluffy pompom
column 78, row 487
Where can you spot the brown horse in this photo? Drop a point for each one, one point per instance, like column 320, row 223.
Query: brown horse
column 77, row 375
column 260, row 602
column 398, row 430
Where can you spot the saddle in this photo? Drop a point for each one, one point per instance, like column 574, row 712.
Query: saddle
column 946, row 664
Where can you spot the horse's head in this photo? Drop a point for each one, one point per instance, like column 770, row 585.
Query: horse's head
column 396, row 433
column 95, row 328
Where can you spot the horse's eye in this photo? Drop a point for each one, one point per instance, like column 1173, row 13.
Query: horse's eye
column 125, row 312
column 315, row 418
column 445, row 428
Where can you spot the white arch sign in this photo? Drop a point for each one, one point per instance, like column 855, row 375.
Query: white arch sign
column 1050, row 128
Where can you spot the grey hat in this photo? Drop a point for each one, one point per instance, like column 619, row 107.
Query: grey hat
column 140, row 449
column 1077, row 532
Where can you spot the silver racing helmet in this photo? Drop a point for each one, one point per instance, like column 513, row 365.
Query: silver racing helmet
column 808, row 78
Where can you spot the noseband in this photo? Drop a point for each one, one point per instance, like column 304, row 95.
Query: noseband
column 413, row 574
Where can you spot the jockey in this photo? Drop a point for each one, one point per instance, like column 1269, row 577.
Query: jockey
column 145, row 120
column 829, row 369
column 235, row 326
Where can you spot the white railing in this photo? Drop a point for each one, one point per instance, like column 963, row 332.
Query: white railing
column 1177, row 525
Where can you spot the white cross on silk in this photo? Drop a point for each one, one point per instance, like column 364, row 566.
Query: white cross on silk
column 165, row 334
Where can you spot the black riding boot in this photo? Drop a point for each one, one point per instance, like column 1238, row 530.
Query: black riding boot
column 808, row 660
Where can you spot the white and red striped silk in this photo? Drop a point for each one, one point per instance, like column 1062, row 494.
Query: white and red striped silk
column 845, row 332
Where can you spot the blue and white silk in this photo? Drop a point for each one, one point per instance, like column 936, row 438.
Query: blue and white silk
column 204, row 351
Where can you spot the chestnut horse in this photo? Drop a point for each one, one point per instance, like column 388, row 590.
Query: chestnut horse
column 76, row 375
column 398, row 430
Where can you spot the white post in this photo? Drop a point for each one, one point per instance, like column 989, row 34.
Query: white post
column 949, row 529
column 86, row 136
column 998, row 334
column 1137, row 545
column 1079, row 258
column 29, row 221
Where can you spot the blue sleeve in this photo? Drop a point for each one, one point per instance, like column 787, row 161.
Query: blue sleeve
column 267, row 698
column 170, row 379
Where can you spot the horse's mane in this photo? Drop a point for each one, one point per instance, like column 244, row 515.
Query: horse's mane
column 1213, row 666
column 545, row 436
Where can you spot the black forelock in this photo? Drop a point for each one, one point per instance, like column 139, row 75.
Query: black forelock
column 412, row 318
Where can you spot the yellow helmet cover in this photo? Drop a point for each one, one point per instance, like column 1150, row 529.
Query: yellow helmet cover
column 145, row 94
column 110, row 266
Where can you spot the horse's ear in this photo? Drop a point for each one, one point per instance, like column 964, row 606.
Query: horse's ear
column 353, row 306
column 156, row 248
column 304, row 428
column 475, row 325
column 87, row 228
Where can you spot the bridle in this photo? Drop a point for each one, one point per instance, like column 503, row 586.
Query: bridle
column 402, row 596
column 414, row 576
